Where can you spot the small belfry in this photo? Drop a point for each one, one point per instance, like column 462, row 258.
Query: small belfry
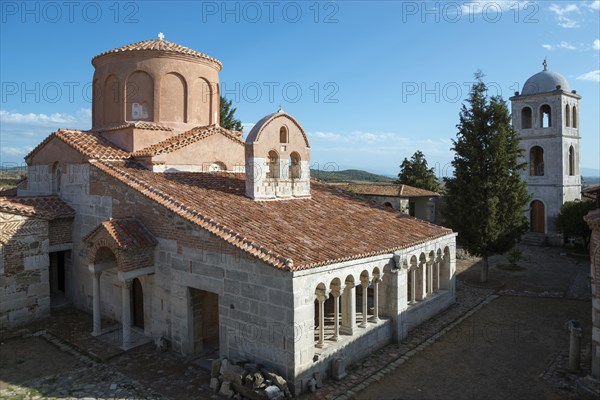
column 277, row 159
column 546, row 117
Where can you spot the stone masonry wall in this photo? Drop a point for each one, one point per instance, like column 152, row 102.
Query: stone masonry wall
column 24, row 283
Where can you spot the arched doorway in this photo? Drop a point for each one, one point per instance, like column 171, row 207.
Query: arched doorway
column 537, row 217
column 137, row 304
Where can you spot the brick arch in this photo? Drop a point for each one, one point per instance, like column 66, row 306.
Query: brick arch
column 95, row 246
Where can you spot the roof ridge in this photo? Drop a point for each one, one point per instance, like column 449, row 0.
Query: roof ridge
column 159, row 45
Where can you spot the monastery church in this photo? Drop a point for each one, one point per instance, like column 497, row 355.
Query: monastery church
column 179, row 229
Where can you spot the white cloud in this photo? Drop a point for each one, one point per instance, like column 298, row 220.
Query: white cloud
column 593, row 76
column 594, row 5
column 82, row 117
column 562, row 45
column 596, row 44
column 564, row 15
column 15, row 151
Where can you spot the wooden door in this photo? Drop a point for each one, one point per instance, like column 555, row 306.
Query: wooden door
column 537, row 219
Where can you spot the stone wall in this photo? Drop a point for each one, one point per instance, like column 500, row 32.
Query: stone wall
column 60, row 231
column 24, row 283
column 593, row 220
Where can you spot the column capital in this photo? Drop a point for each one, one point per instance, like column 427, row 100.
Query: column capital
column 126, row 283
column 336, row 290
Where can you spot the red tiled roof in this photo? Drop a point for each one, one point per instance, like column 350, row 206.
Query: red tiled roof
column 128, row 233
column 332, row 226
column 159, row 45
column 184, row 139
column 38, row 206
column 89, row 144
column 386, row 190
column 150, row 126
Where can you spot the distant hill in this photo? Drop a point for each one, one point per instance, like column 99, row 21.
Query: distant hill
column 349, row 175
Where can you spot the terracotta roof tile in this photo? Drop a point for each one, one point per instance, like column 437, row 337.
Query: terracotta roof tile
column 159, row 45
column 386, row 190
column 332, row 226
column 48, row 207
column 128, row 233
column 150, row 126
column 184, row 139
column 89, row 144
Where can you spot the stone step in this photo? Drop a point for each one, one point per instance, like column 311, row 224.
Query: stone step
column 534, row 239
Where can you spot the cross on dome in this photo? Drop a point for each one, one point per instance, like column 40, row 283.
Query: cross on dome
column 545, row 64
column 161, row 36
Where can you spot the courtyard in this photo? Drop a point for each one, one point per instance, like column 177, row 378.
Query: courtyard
column 499, row 344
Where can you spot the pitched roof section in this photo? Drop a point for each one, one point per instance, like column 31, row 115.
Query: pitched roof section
column 128, row 233
column 257, row 129
column 386, row 190
column 160, row 45
column 184, row 139
column 47, row 207
column 150, row 126
column 89, row 144
column 331, row 227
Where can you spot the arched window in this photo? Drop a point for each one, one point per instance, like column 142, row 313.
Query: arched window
column 571, row 161
column 545, row 116
column 55, row 178
column 536, row 161
column 273, row 165
column 283, row 135
column 526, row 118
column 574, row 117
column 567, row 116
column 295, row 170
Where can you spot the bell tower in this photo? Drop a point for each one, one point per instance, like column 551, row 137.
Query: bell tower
column 277, row 159
column 546, row 117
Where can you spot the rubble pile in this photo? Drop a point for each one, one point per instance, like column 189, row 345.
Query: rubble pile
column 245, row 380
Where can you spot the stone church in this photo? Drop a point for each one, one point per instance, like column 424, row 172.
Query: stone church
column 179, row 229
column 546, row 117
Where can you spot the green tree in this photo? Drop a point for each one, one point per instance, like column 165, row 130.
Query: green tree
column 570, row 220
column 228, row 119
column 486, row 198
column 414, row 172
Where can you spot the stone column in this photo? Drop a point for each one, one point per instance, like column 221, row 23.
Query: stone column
column 321, row 297
column 413, row 283
column 336, row 292
column 429, row 278
column 376, row 282
column 365, row 305
column 126, row 313
column 349, row 309
column 437, row 274
column 422, row 279
column 96, row 306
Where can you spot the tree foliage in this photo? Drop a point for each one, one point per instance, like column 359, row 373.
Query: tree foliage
column 228, row 119
column 415, row 172
column 485, row 198
column 570, row 220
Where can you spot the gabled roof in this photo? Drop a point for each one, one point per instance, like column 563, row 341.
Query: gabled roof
column 47, row 207
column 184, row 139
column 371, row 189
column 160, row 45
column 331, row 227
column 257, row 129
column 128, row 233
column 91, row 145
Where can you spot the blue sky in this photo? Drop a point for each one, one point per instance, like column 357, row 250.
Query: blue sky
column 370, row 81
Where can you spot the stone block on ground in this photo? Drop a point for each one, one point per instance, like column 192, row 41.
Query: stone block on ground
column 234, row 373
column 215, row 384
column 226, row 389
column 215, row 368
